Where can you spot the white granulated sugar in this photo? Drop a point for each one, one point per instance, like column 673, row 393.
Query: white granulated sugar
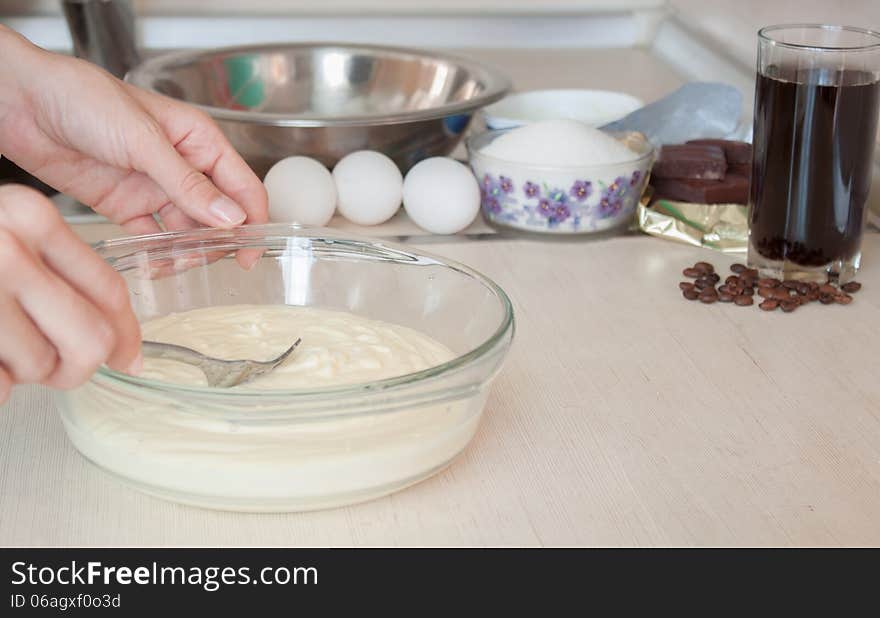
column 558, row 142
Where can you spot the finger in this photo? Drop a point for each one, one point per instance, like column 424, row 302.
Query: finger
column 26, row 354
column 105, row 288
column 156, row 268
column 160, row 268
column 144, row 224
column 203, row 145
column 236, row 179
column 248, row 258
column 175, row 219
column 82, row 339
column 85, row 273
column 5, row 385
column 132, row 195
column 120, row 195
column 198, row 139
column 189, row 189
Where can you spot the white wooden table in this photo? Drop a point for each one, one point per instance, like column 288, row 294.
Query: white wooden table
column 624, row 416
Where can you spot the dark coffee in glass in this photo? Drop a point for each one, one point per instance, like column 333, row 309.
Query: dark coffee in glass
column 817, row 100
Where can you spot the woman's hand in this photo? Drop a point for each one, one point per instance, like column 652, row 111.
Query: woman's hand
column 63, row 310
column 128, row 154
column 125, row 152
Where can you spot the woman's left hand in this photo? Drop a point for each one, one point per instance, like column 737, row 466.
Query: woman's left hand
column 127, row 153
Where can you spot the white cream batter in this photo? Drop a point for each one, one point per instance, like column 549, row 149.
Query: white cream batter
column 337, row 348
column 268, row 451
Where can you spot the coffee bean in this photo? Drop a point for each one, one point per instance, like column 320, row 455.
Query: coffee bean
column 708, row 298
column 781, row 293
column 741, row 287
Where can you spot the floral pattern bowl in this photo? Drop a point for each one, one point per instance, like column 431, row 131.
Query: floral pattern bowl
column 561, row 200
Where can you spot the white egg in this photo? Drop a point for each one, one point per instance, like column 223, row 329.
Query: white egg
column 301, row 190
column 441, row 195
column 369, row 187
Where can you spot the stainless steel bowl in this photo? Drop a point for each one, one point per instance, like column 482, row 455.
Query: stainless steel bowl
column 325, row 100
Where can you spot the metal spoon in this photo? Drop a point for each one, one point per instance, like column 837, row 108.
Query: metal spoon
column 222, row 373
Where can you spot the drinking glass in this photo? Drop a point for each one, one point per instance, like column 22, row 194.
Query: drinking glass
column 817, row 100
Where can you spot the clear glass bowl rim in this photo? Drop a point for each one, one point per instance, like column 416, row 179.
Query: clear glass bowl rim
column 765, row 34
column 475, row 142
column 423, row 377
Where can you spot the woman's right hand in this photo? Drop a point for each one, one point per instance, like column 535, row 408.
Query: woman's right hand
column 63, row 310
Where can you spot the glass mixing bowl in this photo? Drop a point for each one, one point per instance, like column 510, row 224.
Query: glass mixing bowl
column 288, row 450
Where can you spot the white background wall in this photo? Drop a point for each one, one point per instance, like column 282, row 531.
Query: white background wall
column 423, row 23
column 734, row 23
column 730, row 23
column 323, row 7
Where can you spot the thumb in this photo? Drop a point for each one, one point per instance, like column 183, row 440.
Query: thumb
column 189, row 189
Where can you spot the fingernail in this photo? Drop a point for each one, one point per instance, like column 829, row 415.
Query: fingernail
column 136, row 366
column 226, row 211
column 249, row 258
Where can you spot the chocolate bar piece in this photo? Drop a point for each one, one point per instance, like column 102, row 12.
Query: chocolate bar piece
column 734, row 189
column 743, row 169
column 690, row 161
column 735, row 152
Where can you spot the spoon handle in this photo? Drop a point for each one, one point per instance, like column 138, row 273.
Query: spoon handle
column 154, row 349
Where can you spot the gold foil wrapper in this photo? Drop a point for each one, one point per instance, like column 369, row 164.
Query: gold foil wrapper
column 723, row 227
